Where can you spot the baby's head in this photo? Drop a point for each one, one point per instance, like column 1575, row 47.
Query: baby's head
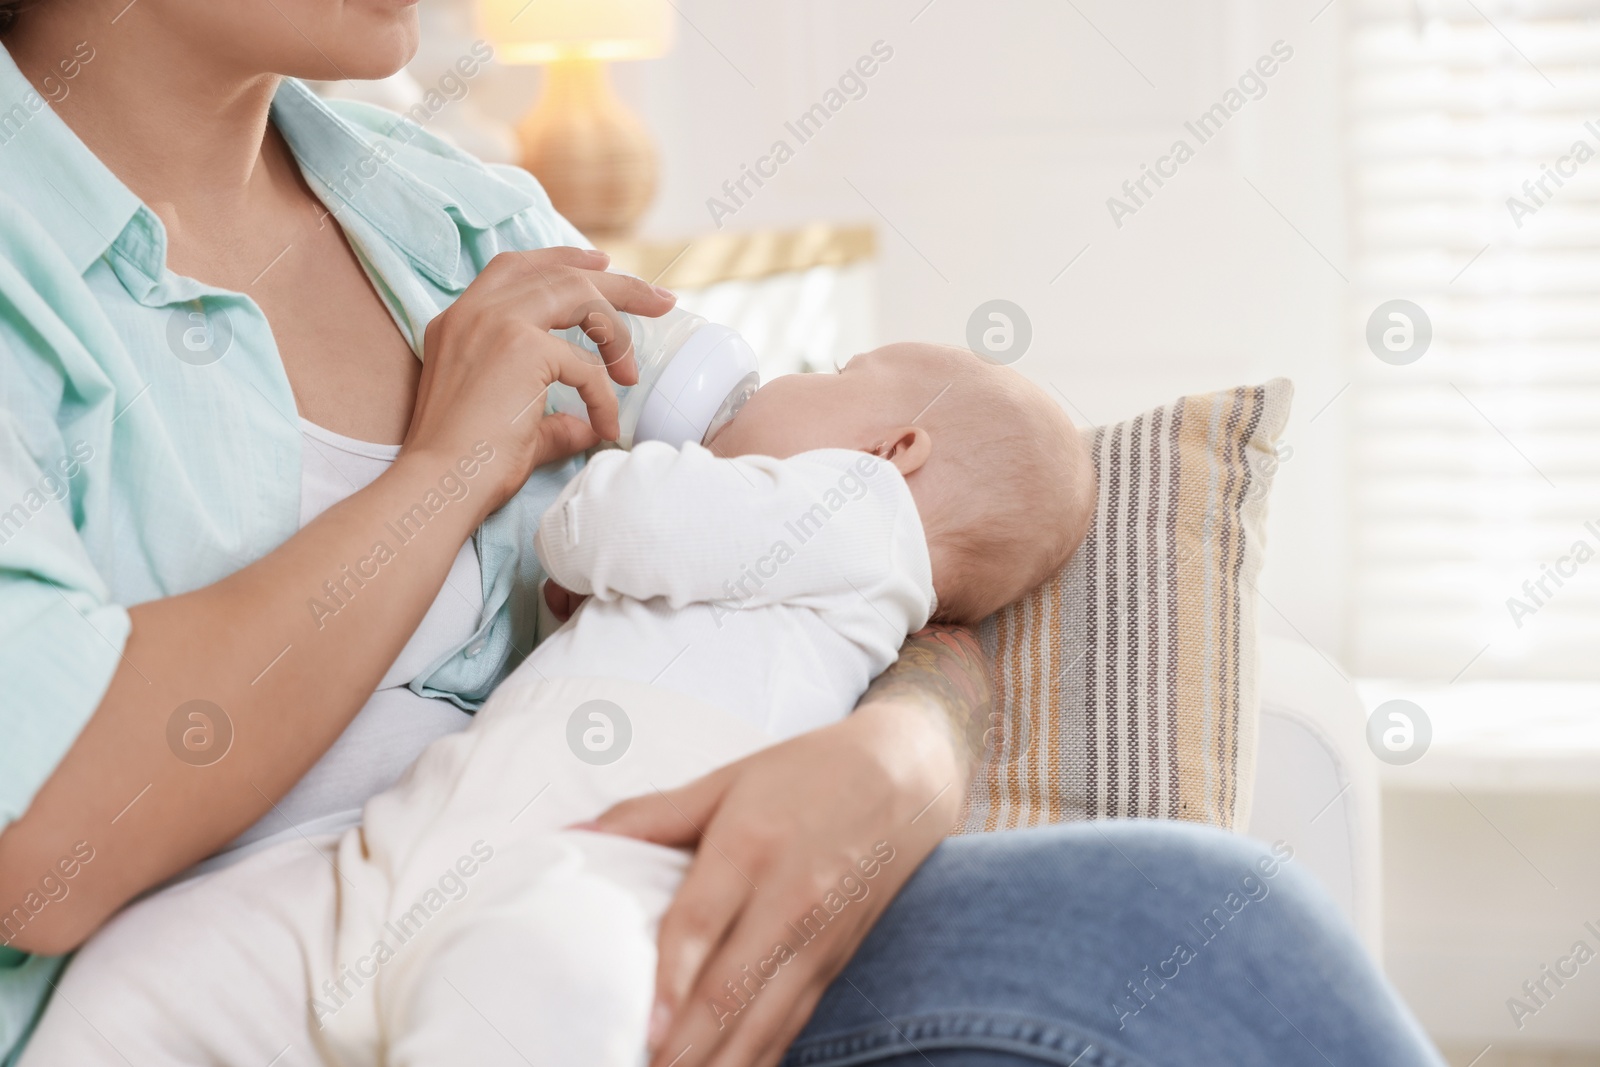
column 1002, row 481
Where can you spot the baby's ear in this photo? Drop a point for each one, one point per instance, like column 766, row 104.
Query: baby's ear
column 908, row 448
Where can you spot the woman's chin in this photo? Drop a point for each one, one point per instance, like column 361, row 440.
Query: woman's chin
column 377, row 50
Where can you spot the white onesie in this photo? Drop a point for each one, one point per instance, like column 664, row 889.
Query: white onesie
column 733, row 603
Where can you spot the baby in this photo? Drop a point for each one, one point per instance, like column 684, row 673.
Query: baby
column 737, row 595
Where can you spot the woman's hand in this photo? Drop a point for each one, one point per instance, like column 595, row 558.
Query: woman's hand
column 777, row 833
column 797, row 827
column 490, row 358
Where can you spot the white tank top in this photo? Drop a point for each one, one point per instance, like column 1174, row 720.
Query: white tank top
column 395, row 724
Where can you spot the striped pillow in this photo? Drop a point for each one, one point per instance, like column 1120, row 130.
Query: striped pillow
column 1126, row 684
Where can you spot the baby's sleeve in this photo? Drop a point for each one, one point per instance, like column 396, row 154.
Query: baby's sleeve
column 835, row 530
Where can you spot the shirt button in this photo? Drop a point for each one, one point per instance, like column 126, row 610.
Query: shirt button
column 474, row 648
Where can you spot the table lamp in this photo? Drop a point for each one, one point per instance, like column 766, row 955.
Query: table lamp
column 593, row 156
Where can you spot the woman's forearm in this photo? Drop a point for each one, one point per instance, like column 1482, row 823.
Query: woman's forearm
column 287, row 678
column 943, row 670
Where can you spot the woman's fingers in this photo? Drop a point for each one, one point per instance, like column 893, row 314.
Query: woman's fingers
column 673, row 818
column 750, row 985
column 609, row 333
column 707, row 904
column 633, row 295
column 568, row 298
column 573, row 289
column 511, row 268
column 563, row 295
column 818, row 852
column 579, row 368
column 570, row 256
column 596, row 314
column 562, row 435
column 712, row 894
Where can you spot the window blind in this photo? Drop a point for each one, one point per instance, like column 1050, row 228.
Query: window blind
column 1474, row 134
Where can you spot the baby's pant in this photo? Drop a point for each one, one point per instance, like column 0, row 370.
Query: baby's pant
column 560, row 972
column 463, row 923
column 210, row 971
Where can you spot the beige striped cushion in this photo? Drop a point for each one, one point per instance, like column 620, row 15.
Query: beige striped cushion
column 1127, row 683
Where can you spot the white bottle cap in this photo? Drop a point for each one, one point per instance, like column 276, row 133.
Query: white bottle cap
column 712, row 363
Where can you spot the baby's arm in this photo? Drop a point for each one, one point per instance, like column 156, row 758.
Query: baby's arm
column 747, row 532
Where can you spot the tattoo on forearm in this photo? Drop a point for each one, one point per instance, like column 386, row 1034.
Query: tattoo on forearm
column 943, row 667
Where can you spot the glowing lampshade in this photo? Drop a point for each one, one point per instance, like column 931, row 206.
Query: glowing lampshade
column 541, row 31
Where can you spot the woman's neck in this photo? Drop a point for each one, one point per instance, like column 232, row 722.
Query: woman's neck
column 181, row 130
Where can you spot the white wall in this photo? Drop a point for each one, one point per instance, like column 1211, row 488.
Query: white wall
column 990, row 143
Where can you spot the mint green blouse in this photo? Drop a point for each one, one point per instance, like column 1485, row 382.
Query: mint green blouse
column 149, row 442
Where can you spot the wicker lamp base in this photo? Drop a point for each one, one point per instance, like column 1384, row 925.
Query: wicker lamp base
column 593, row 156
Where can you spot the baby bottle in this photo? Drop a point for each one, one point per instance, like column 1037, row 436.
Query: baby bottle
column 694, row 376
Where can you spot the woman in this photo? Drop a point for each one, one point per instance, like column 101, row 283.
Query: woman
column 213, row 298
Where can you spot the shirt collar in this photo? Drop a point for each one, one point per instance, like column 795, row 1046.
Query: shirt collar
column 353, row 169
column 54, row 176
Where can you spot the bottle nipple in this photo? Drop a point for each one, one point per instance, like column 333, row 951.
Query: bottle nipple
column 731, row 407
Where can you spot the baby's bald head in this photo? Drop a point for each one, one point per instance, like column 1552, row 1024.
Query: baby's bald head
column 1008, row 489
column 1002, row 480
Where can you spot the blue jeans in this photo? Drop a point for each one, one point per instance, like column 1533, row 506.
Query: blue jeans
column 1118, row 944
